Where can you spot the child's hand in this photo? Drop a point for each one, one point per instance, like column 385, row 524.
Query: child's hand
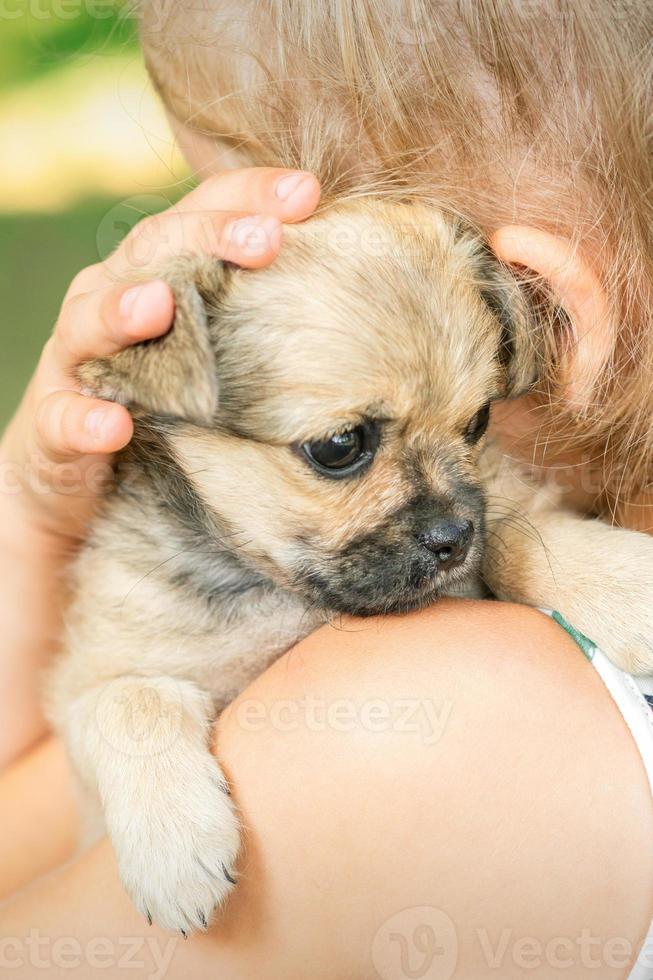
column 57, row 450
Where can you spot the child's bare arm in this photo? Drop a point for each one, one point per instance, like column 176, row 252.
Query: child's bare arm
column 463, row 807
column 56, row 453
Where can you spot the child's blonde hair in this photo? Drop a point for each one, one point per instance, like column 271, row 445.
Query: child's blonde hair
column 507, row 111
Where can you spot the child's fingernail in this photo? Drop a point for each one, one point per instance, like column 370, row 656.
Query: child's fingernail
column 287, row 186
column 256, row 234
column 128, row 299
column 139, row 303
column 104, row 423
column 96, row 422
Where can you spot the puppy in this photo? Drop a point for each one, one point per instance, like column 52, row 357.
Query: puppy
column 309, row 440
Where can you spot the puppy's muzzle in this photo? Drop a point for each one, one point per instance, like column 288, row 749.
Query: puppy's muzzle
column 448, row 541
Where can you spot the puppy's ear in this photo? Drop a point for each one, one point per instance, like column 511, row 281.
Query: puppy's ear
column 174, row 375
column 521, row 349
column 512, row 300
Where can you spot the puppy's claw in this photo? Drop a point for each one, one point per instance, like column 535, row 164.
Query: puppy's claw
column 148, row 916
column 229, row 877
column 179, row 877
column 224, row 787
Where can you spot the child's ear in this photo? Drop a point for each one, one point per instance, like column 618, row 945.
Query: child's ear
column 174, row 375
column 576, row 289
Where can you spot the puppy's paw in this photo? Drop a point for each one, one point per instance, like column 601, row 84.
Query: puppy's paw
column 627, row 638
column 618, row 617
column 601, row 579
column 176, row 850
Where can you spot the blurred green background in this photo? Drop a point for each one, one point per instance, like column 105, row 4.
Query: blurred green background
column 85, row 150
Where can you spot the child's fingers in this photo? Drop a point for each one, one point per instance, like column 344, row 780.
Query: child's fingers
column 98, row 318
column 69, row 425
column 104, row 321
column 289, row 195
column 250, row 240
column 236, row 216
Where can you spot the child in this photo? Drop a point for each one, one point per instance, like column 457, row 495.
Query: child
column 531, row 121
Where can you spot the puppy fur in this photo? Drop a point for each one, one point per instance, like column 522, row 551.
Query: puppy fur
column 220, row 546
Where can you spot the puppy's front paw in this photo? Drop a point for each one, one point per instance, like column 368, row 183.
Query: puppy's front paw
column 617, row 614
column 628, row 639
column 176, row 848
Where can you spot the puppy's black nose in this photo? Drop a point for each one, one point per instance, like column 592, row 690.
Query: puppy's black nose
column 448, row 540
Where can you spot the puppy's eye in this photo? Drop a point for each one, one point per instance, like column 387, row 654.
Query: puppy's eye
column 344, row 453
column 478, row 424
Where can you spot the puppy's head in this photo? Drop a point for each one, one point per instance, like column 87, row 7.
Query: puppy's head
column 330, row 409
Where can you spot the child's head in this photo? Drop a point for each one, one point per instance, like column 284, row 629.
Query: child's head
column 515, row 113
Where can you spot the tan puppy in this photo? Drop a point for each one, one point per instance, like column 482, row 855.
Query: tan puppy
column 309, row 440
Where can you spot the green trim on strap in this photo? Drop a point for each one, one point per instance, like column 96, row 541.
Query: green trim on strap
column 586, row 645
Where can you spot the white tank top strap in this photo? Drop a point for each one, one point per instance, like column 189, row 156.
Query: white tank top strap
column 634, row 698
